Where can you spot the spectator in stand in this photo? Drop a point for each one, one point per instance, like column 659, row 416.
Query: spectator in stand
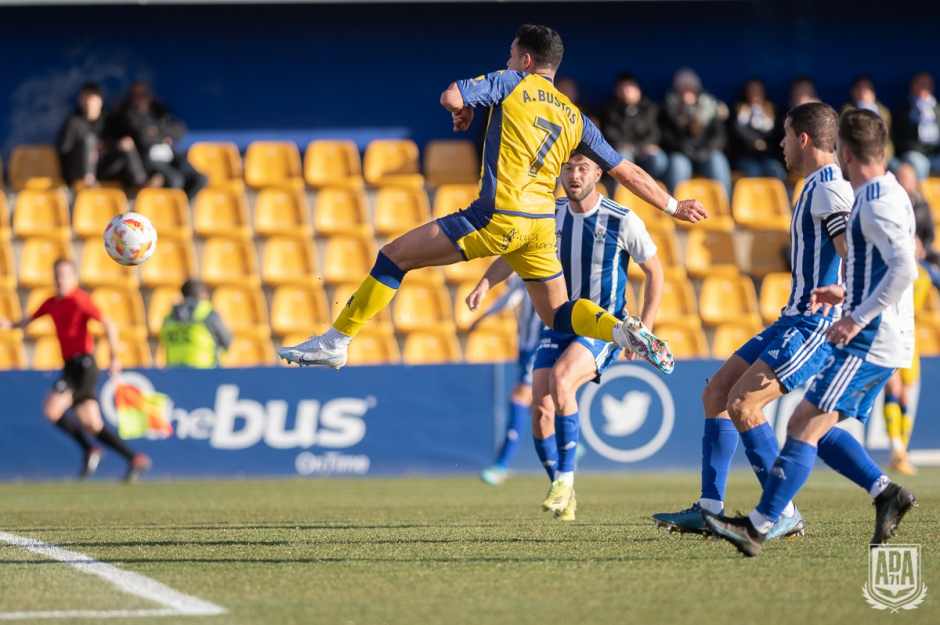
column 156, row 133
column 862, row 96
column 193, row 333
column 802, row 90
column 923, row 220
column 85, row 156
column 693, row 129
column 754, row 134
column 917, row 128
column 630, row 123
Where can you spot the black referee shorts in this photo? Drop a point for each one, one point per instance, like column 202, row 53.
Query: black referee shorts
column 79, row 375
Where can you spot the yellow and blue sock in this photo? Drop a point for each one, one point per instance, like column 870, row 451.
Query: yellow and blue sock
column 719, row 441
column 547, row 451
column 374, row 294
column 894, row 415
column 585, row 318
column 567, row 435
column 789, row 473
column 844, row 454
column 907, row 426
column 761, row 449
column 518, row 413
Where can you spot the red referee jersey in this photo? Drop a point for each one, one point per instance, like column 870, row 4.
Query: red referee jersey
column 70, row 314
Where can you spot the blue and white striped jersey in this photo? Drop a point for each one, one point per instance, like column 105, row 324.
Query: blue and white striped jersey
column 528, row 323
column 595, row 248
column 880, row 270
column 814, row 261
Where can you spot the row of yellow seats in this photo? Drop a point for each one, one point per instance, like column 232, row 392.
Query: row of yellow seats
column 277, row 163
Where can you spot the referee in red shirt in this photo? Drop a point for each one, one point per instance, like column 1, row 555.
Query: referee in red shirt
column 71, row 309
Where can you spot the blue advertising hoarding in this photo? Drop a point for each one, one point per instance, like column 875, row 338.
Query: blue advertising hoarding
column 387, row 421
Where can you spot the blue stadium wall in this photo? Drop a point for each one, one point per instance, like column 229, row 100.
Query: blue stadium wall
column 267, row 68
column 394, row 421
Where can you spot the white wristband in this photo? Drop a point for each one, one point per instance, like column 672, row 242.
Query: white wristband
column 672, row 205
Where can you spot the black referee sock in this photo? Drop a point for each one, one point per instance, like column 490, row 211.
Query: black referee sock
column 112, row 440
column 68, row 423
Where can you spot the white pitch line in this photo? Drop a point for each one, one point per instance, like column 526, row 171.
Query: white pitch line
column 50, row 614
column 132, row 583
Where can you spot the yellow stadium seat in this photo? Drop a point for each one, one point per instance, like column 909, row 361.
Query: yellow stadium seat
column 341, row 295
column 133, row 351
column 774, row 293
column 94, row 208
column 123, row 306
column 761, row 204
column 928, row 339
column 7, row 266
column 36, row 163
column 399, row 209
column 416, row 307
column 248, row 350
column 769, row 249
column 713, row 197
column 272, row 164
column 287, row 260
column 99, row 269
column 375, row 345
column 686, row 340
column 242, row 308
column 162, row 299
column 464, row 317
column 282, row 211
column 732, row 335
column 451, row 162
column 450, row 198
column 12, row 354
column 333, row 163
column 727, row 299
column 41, row 213
column 489, row 345
column 469, row 271
column 930, row 188
column 220, row 212
column 298, row 309
column 667, row 250
column 47, row 355
column 431, row 346
column 678, row 303
column 37, row 256
column 42, row 326
column 172, row 263
column 228, row 261
column 708, row 252
column 431, row 276
column 167, row 210
column 347, row 259
column 219, row 162
column 340, row 211
column 4, row 215
column 651, row 216
column 10, row 305
column 931, row 310
column 392, row 161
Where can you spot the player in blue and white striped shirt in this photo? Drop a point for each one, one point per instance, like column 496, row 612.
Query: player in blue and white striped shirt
column 529, row 327
column 597, row 238
column 787, row 354
column 864, row 348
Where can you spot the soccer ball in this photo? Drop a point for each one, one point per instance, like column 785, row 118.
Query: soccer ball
column 130, row 239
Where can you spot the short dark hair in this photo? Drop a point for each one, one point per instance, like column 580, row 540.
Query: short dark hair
column 819, row 121
column 864, row 133
column 90, row 88
column 193, row 288
column 627, row 77
column 543, row 43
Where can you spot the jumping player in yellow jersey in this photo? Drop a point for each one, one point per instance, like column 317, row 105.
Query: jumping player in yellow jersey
column 532, row 131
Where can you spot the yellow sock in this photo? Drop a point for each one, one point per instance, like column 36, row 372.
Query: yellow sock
column 369, row 299
column 907, row 425
column 893, row 418
column 589, row 319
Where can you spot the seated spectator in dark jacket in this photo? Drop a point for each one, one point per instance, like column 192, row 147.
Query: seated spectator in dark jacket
column 630, row 122
column 693, row 128
column 917, row 128
column 862, row 96
column 85, row 155
column 754, row 134
column 156, row 133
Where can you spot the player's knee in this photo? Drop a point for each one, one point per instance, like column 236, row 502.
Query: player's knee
column 714, row 397
column 53, row 408
column 522, row 394
column 543, row 415
column 744, row 411
column 89, row 415
column 563, row 387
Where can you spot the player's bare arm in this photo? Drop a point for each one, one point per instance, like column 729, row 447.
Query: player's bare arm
column 645, row 187
column 452, row 100
column 111, row 334
column 6, row 324
column 498, row 272
column 652, row 290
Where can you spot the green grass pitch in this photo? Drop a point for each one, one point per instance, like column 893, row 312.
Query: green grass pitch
column 452, row 551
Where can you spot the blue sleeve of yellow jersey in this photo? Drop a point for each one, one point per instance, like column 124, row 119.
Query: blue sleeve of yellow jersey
column 595, row 147
column 489, row 90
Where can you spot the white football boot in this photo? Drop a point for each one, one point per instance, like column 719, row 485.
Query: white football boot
column 316, row 352
column 631, row 334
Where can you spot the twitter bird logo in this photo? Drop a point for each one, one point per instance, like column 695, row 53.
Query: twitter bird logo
column 625, row 416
